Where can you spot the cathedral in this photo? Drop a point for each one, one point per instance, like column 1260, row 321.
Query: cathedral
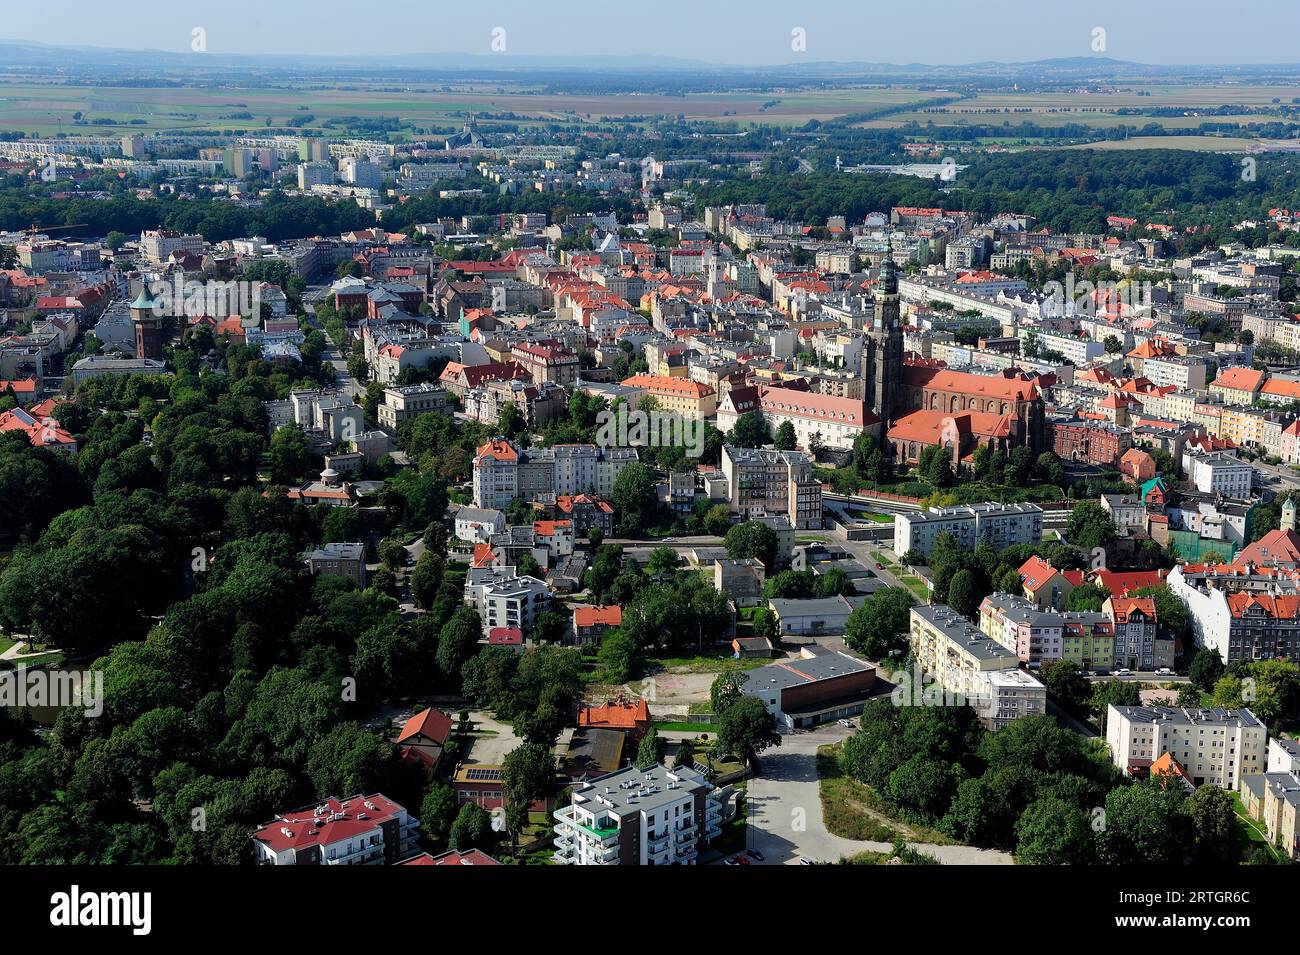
column 920, row 405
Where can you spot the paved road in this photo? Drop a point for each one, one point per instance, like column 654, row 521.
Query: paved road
column 786, row 811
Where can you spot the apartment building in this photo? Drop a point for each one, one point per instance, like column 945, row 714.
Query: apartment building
column 505, row 599
column 360, row 830
column 1244, row 615
column 972, row 668
column 1086, row 638
column 640, row 816
column 547, row 362
column 502, row 472
column 1215, row 746
column 765, row 483
column 400, row 402
column 1223, row 474
column 1001, row 524
column 1273, row 799
column 1137, row 646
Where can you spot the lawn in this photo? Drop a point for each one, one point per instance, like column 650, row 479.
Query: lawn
column 6, row 643
column 705, row 664
column 686, row 727
column 917, row 586
column 1253, row 832
column 852, row 810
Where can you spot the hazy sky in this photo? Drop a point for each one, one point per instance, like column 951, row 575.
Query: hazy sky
column 721, row 31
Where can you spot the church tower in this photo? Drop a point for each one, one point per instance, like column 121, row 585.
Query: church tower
column 148, row 324
column 882, row 356
column 1289, row 514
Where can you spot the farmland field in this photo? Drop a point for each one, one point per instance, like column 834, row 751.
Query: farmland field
column 39, row 108
column 1098, row 109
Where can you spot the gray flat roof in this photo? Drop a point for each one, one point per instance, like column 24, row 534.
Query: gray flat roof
column 961, row 632
column 1188, row 717
column 633, row 790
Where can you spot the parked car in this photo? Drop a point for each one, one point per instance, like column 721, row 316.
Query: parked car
column 1165, row 671
column 755, row 854
column 879, row 566
column 1123, row 671
column 804, row 860
column 741, row 859
column 730, row 861
column 848, row 723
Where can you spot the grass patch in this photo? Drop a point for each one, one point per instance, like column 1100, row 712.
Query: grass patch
column 686, row 728
column 917, row 587
column 846, row 808
column 702, row 664
column 850, row 807
column 1252, row 832
column 52, row 659
column 6, row 643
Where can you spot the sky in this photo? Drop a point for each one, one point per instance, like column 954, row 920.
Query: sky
column 756, row 32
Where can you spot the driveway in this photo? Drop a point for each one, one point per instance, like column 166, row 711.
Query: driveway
column 786, row 810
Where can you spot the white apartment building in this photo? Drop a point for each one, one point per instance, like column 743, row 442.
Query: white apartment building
column 1283, row 756
column 649, row 816
column 1002, row 524
column 1181, row 371
column 1216, row 747
column 1221, row 473
column 504, row 599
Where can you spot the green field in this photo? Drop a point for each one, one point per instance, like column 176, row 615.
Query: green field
column 48, row 108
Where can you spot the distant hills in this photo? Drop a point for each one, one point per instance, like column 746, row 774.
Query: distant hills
column 77, row 60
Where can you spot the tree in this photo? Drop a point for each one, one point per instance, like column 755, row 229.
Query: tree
column 527, row 775
column 935, row 465
column 963, row 596
column 1170, row 611
column 1145, row 825
column 472, row 829
column 1117, row 692
column 785, row 439
column 752, row 539
column 746, row 728
column 289, row 454
column 1206, row 668
column 726, row 690
column 1052, row 832
column 879, row 624
column 750, row 431
column 438, row 814
column 651, row 750
column 925, row 785
column 1089, row 596
column 618, row 655
column 1113, row 345
column 426, row 578
column 1212, row 820
column 511, row 421
column 1066, row 682
column 685, row 755
column 458, row 640
column 1090, row 526
column 634, row 498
